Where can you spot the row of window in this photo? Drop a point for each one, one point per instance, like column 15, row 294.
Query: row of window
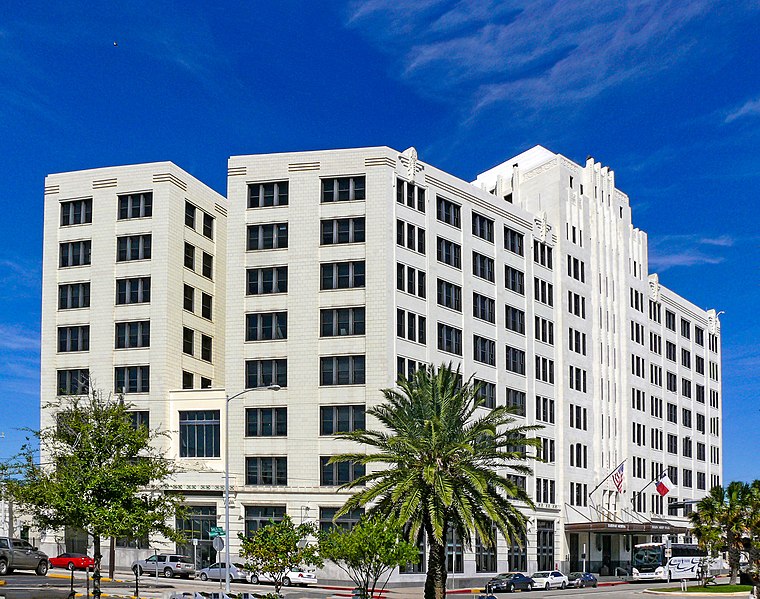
column 79, row 212
column 127, row 379
column 197, row 217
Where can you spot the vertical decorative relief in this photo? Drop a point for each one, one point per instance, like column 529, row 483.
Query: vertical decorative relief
column 654, row 287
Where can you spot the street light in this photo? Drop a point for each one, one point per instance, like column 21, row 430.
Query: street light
column 228, row 399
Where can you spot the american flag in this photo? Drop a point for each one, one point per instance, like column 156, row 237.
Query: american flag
column 617, row 477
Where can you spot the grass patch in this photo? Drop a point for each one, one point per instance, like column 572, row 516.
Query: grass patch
column 716, row 588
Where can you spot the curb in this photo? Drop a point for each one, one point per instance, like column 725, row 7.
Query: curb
column 68, row 577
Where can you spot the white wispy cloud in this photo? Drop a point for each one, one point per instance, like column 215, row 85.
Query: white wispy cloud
column 17, row 338
column 669, row 251
column 749, row 108
column 529, row 54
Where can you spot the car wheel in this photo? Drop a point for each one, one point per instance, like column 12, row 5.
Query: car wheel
column 594, row 585
column 286, row 582
column 70, row 566
column 168, row 573
column 204, row 576
column 563, row 585
column 511, row 588
column 254, row 579
column 546, row 588
column 3, row 567
column 42, row 568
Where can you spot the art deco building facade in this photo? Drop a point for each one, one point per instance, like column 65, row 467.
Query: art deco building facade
column 348, row 268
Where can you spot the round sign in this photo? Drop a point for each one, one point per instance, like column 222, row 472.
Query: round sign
column 218, row 543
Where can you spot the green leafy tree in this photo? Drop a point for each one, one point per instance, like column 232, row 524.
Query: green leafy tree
column 721, row 520
column 372, row 548
column 753, row 535
column 99, row 472
column 443, row 466
column 277, row 547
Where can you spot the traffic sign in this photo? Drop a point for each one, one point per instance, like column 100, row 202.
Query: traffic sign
column 217, row 531
column 218, row 543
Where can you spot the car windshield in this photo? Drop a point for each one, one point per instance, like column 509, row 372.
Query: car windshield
column 238, row 566
column 541, row 575
column 506, row 575
column 21, row 544
column 647, row 556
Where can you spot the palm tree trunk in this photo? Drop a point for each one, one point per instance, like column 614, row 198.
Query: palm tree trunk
column 435, row 582
column 733, row 557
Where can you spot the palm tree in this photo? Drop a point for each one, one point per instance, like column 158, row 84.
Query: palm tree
column 443, row 464
column 721, row 519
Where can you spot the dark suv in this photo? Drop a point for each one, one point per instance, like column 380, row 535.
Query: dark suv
column 17, row 554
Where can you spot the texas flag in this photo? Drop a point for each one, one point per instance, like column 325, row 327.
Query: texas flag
column 664, row 485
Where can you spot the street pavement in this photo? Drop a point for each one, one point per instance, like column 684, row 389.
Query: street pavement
column 57, row 584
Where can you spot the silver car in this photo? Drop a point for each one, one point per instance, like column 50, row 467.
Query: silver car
column 168, row 564
column 217, row 572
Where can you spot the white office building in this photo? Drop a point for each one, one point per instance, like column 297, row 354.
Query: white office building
column 339, row 271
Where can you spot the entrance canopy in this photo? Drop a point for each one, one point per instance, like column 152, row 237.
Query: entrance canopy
column 664, row 528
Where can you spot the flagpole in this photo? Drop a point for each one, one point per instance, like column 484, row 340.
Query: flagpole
column 645, row 487
column 610, row 474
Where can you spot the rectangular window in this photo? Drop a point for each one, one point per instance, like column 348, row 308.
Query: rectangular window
column 188, row 341
column 410, row 194
column 485, row 556
column 133, row 247
column 136, row 205
column 269, row 236
column 483, row 308
column 140, row 418
column 75, row 253
column 410, row 280
column 266, row 471
column 189, row 256
column 670, row 320
column 544, row 330
column 75, row 381
column 264, row 373
column 341, row 419
column 542, row 254
column 515, row 360
column 483, row 267
column 449, row 295
column 208, row 225
column 190, row 211
column 266, row 422
column 133, row 291
column 699, row 336
column 449, row 339
column 545, row 409
column 206, row 348
column 545, row 369
column 76, row 212
column 257, row 516
column 485, row 393
column 672, row 413
column 188, row 298
column 514, row 280
column 685, row 328
column 516, row 400
column 132, row 334
column 515, row 319
column 343, row 189
column 199, row 434
column 206, row 306
column 342, row 275
column 208, row 266
column 543, row 291
column 514, row 241
column 448, row 212
column 337, row 322
column 449, row 252
column 482, row 227
column 264, row 195
column 331, row 475
column 341, row 370
column 484, row 350
column 72, row 339
column 73, row 295
column 342, row 230
column 411, row 326
column 132, row 379
column 266, row 326
column 188, row 380
column 260, row 281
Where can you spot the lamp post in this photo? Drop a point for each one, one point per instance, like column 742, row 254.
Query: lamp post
column 228, row 399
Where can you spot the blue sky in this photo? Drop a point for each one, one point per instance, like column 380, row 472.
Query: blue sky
column 667, row 93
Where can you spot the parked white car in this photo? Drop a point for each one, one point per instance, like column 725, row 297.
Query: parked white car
column 296, row 576
column 549, row 579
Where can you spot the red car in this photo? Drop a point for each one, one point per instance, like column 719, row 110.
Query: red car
column 72, row 561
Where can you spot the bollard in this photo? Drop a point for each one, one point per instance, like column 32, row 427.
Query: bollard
column 87, row 572
column 137, row 583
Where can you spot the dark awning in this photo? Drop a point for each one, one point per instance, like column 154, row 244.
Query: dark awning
column 627, row 528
